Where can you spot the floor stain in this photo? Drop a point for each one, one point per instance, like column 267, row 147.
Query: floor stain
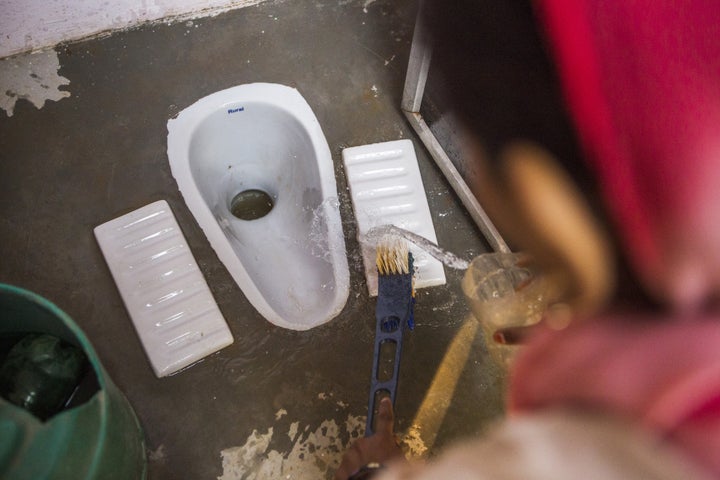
column 314, row 454
column 33, row 77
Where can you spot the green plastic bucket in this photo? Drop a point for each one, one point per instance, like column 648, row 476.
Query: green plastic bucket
column 99, row 439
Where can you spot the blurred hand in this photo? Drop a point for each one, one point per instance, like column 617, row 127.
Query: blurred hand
column 378, row 448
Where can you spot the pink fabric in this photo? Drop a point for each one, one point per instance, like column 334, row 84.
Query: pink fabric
column 664, row 377
column 642, row 82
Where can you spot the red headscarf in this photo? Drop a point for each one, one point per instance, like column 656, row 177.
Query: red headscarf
column 642, row 82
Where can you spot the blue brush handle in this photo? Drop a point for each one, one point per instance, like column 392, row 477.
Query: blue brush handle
column 393, row 312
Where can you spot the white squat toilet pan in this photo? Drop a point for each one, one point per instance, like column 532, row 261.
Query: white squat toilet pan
column 255, row 170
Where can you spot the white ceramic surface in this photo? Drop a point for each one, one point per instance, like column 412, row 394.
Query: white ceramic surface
column 386, row 189
column 162, row 287
column 290, row 264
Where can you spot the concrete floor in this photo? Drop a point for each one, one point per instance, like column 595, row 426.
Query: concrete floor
column 289, row 401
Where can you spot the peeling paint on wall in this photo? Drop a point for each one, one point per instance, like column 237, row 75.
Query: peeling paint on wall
column 33, row 77
column 27, row 25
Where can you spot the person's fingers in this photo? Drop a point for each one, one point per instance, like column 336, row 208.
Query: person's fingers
column 514, row 335
column 556, row 317
column 377, row 448
column 354, row 458
column 384, row 422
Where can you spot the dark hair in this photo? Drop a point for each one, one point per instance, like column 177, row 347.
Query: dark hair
column 496, row 75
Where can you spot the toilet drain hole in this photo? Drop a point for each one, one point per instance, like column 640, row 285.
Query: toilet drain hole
column 251, row 204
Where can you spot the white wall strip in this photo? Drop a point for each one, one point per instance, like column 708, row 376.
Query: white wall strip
column 27, row 25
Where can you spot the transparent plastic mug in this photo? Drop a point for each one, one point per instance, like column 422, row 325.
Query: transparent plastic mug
column 504, row 290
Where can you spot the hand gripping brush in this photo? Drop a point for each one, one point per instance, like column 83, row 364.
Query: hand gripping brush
column 393, row 311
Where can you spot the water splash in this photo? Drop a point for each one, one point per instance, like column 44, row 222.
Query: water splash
column 322, row 227
column 326, row 224
column 451, row 260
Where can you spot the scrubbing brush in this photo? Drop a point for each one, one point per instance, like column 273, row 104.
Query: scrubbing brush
column 393, row 311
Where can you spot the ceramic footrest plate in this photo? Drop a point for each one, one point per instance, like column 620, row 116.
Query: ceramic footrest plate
column 164, row 291
column 386, row 189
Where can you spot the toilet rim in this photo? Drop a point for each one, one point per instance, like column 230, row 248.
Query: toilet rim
column 288, row 99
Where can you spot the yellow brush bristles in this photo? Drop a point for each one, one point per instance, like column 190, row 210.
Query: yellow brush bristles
column 391, row 256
